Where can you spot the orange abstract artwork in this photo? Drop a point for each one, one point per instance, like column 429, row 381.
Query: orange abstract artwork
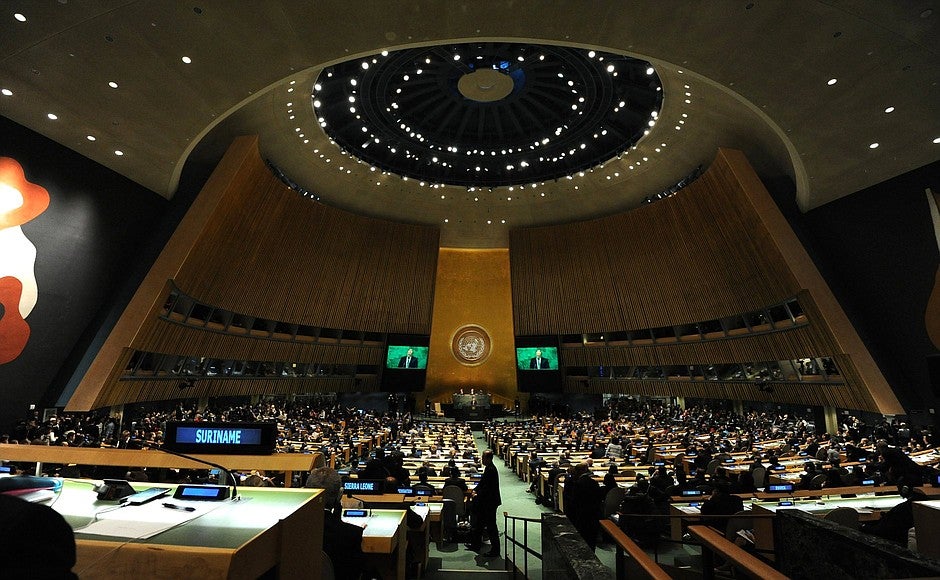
column 20, row 201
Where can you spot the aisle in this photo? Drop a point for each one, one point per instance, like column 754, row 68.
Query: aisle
column 451, row 561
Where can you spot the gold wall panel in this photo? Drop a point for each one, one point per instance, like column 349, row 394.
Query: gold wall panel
column 472, row 287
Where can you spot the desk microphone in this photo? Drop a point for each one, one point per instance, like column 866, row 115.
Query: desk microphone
column 227, row 471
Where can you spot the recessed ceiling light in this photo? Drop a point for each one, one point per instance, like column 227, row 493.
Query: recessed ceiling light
column 937, row 140
column 90, row 137
column 118, row 152
column 186, row 59
column 873, row 146
column 489, row 221
column 889, row 110
column 52, row 116
column 6, row 92
column 19, row 17
column 831, row 82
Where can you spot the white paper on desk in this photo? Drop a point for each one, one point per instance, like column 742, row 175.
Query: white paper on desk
column 421, row 510
column 140, row 522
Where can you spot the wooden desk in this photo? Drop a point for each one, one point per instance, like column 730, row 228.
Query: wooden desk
column 285, row 462
column 383, row 541
column 268, row 528
column 927, row 524
column 869, row 508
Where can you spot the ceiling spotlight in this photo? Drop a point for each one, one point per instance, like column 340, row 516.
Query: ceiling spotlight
column 889, row 110
column 873, row 146
column 6, row 92
column 19, row 17
column 187, row 60
column 832, row 82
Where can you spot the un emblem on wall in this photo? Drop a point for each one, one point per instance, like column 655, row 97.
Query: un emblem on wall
column 471, row 345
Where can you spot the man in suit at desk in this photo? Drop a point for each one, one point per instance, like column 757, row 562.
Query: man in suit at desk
column 409, row 361
column 538, row 362
column 342, row 542
column 486, row 500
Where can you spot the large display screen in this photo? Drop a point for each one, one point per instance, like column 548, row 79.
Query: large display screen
column 406, row 357
column 532, row 358
column 229, row 438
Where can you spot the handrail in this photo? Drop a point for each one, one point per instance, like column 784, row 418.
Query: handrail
column 744, row 561
column 526, row 550
column 642, row 559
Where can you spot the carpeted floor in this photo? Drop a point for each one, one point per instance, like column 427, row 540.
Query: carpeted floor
column 454, row 561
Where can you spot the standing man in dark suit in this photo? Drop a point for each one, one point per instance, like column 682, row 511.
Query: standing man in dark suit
column 537, row 362
column 409, row 361
column 486, row 499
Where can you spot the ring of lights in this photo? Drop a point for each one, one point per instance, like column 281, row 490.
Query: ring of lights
column 471, row 345
column 487, row 114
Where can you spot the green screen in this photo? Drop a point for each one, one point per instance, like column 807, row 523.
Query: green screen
column 525, row 355
column 397, row 352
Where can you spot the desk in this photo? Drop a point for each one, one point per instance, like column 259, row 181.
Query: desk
column 243, row 539
column 383, row 541
column 286, row 462
column 869, row 508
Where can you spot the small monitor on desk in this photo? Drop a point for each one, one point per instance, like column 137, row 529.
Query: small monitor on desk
column 803, row 454
column 406, row 491
column 780, row 488
column 476, row 475
column 355, row 513
column 785, row 503
column 221, row 438
column 692, row 492
column 423, row 492
column 729, row 460
column 779, row 467
column 363, row 486
column 868, row 482
column 659, row 463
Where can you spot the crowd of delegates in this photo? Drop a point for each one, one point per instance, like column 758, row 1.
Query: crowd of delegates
column 630, row 433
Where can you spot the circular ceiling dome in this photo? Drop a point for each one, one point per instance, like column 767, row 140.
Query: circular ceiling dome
column 487, row 114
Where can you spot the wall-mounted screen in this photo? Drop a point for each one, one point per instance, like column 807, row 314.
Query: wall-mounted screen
column 403, row 356
column 406, row 363
column 538, row 368
column 533, row 358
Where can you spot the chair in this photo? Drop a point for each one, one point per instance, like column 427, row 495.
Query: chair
column 817, row 481
column 448, row 521
column 738, row 523
column 712, row 466
column 454, row 493
column 612, row 500
column 437, row 410
column 326, row 570
column 760, row 476
column 844, row 516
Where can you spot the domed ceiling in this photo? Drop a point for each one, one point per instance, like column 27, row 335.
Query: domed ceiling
column 836, row 97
